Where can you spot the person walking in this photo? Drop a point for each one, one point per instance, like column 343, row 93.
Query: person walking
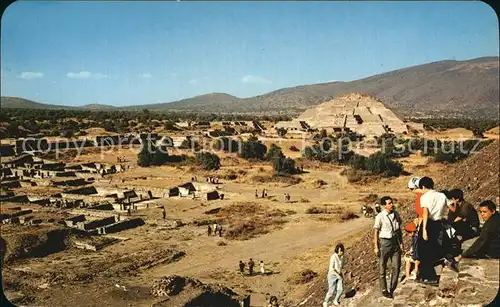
column 163, row 212
column 242, row 267
column 334, row 275
column 209, row 231
column 262, row 268
column 251, row 264
column 388, row 243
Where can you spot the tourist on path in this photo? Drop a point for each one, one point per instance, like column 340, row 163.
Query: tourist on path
column 251, row 264
column 262, row 268
column 163, row 212
column 242, row 267
column 334, row 275
column 388, row 243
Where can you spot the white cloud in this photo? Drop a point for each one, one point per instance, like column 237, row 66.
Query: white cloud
column 146, row 75
column 99, row 76
column 85, row 75
column 255, row 79
column 193, row 81
column 27, row 75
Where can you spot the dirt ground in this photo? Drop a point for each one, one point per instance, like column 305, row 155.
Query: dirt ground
column 123, row 273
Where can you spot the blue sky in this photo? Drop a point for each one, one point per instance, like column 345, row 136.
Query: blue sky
column 124, row 53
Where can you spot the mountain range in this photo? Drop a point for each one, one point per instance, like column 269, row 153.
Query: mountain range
column 449, row 88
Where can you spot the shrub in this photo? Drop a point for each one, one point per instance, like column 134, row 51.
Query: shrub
column 303, row 277
column 253, row 149
column 190, row 143
column 317, row 210
column 380, row 163
column 348, row 216
column 282, row 165
column 207, row 160
column 274, row 152
column 227, row 145
column 294, row 148
column 354, row 175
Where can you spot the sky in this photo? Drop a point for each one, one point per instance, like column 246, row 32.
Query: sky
column 130, row 53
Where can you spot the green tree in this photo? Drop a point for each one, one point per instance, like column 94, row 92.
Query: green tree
column 146, row 155
column 253, row 149
column 207, row 160
column 284, row 166
column 273, row 152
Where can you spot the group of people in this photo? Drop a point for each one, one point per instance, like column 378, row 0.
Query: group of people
column 120, row 159
column 264, row 193
column 251, row 265
column 286, row 197
column 444, row 220
column 216, row 228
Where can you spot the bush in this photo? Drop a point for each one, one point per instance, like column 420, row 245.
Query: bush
column 190, row 143
column 151, row 155
column 303, row 277
column 253, row 149
column 274, row 152
column 380, row 163
column 68, row 133
column 354, row 175
column 208, row 161
column 317, row 210
column 348, row 216
column 227, row 145
column 294, row 148
column 282, row 165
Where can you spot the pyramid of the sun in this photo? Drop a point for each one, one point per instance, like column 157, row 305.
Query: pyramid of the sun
column 355, row 112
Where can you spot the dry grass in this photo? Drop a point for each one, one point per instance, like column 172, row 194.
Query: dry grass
column 302, row 277
column 291, row 180
column 248, row 220
column 319, row 183
column 371, row 198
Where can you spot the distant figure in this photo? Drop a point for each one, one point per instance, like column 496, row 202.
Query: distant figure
column 129, row 211
column 262, row 268
column 209, row 230
column 251, row 264
column 256, row 194
column 220, row 230
column 242, row 267
column 221, row 196
column 192, row 178
column 263, row 193
column 215, row 228
column 288, row 197
column 285, row 198
column 163, row 212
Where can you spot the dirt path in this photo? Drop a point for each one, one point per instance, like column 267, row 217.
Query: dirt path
column 212, row 263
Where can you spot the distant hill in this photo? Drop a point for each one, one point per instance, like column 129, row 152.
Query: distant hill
column 205, row 102
column 97, row 106
column 449, row 87
column 21, row 103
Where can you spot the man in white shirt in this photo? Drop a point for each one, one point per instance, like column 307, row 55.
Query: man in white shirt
column 334, row 276
column 388, row 243
column 434, row 206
